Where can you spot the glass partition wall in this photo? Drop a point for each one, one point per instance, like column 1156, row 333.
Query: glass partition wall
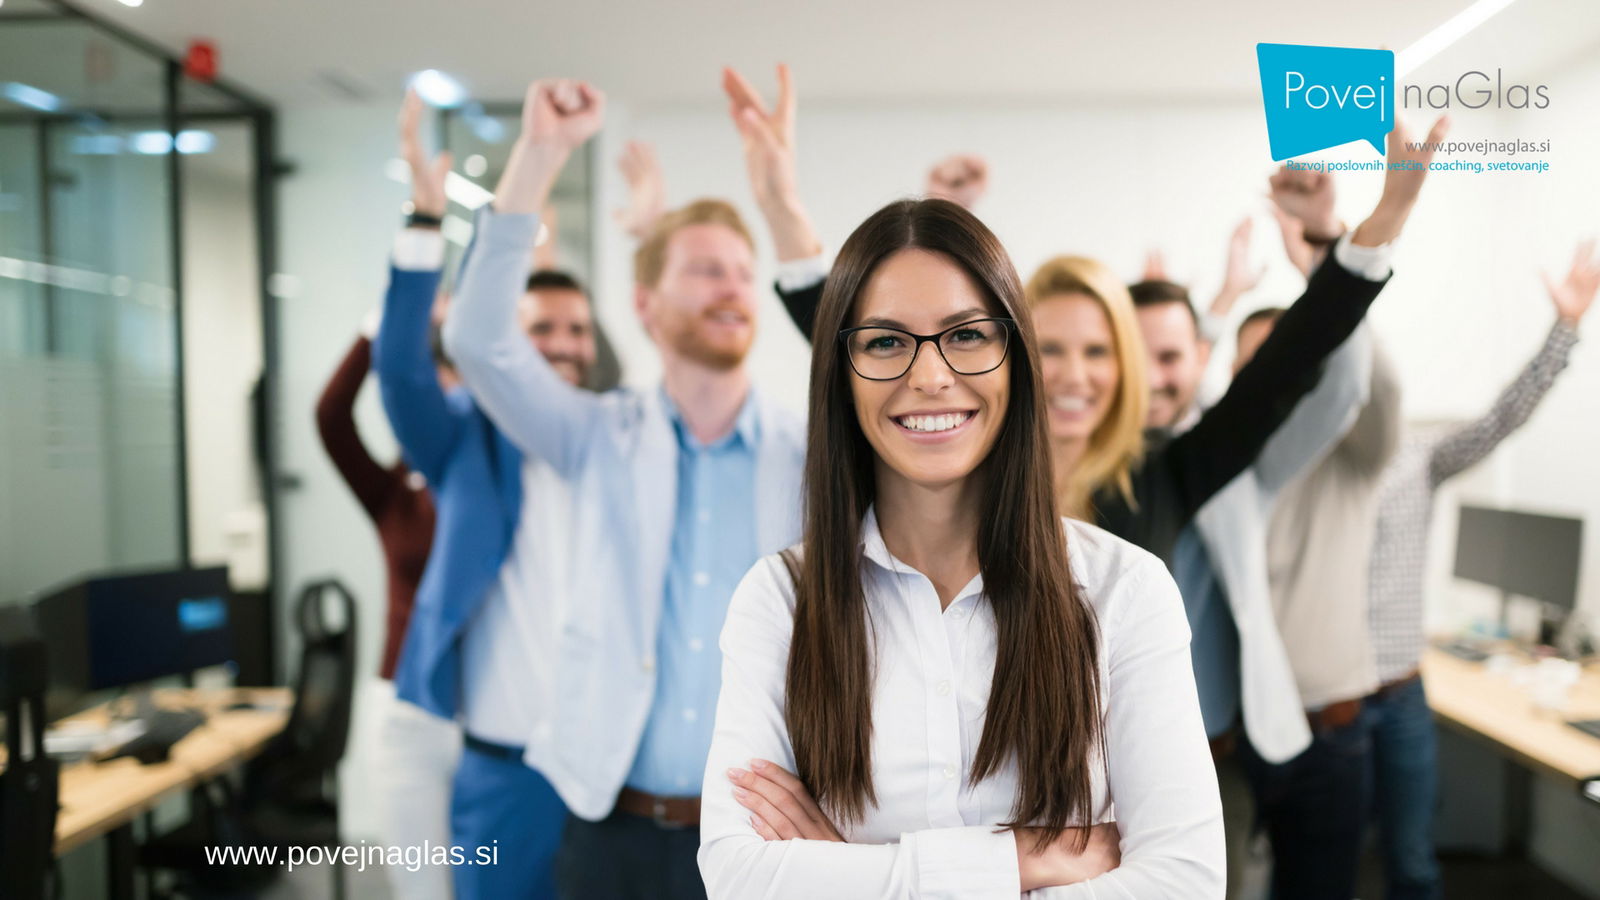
column 134, row 209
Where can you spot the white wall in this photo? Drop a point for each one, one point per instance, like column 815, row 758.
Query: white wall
column 222, row 350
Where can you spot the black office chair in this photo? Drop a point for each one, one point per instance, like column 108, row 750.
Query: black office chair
column 28, row 787
column 290, row 795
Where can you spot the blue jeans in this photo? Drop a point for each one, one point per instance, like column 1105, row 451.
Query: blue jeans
column 500, row 804
column 1405, row 751
column 626, row 857
column 1314, row 809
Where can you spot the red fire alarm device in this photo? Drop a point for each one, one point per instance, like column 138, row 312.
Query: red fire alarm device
column 200, row 63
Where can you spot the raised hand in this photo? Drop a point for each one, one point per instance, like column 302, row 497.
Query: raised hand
column 1299, row 250
column 1574, row 295
column 1240, row 277
column 647, row 189
column 1408, row 168
column 1155, row 267
column 961, row 179
column 779, row 804
column 769, row 156
column 1307, row 196
column 558, row 115
column 768, row 136
column 427, row 177
column 562, row 113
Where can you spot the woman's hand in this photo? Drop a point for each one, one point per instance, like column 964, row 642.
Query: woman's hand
column 1061, row 862
column 780, row 806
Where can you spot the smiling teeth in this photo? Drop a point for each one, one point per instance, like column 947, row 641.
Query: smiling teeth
column 934, row 423
column 1069, row 404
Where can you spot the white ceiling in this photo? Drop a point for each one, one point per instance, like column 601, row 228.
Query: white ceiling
column 841, row 50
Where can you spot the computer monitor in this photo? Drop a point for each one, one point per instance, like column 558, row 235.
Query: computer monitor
column 1524, row 554
column 123, row 629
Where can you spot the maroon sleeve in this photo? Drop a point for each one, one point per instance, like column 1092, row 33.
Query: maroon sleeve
column 336, row 423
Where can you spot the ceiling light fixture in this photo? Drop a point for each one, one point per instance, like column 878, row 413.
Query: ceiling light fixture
column 1454, row 29
column 31, row 97
column 438, row 89
column 159, row 143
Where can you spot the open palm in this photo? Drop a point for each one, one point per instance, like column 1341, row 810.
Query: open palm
column 1575, row 294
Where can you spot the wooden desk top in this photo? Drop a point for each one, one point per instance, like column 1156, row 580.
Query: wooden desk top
column 98, row 797
column 1491, row 706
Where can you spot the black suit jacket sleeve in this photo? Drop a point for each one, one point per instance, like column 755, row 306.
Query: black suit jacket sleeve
column 802, row 305
column 1178, row 477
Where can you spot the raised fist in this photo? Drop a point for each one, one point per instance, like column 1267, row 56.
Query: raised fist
column 962, row 179
column 562, row 113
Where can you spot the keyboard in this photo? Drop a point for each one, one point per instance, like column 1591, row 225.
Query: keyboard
column 163, row 728
column 1463, row 649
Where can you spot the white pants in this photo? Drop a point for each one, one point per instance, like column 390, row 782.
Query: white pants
column 413, row 767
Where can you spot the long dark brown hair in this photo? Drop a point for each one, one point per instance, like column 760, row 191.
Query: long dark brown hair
column 1044, row 711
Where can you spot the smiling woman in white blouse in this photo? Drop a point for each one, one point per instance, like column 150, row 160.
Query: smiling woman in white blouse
column 946, row 691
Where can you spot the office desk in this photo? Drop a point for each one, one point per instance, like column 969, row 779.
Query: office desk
column 102, row 799
column 97, row 798
column 1490, row 707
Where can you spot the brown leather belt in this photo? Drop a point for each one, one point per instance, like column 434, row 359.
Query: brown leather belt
column 1334, row 716
column 667, row 812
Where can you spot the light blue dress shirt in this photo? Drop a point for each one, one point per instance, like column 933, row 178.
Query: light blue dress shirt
column 713, row 545
column 1214, row 641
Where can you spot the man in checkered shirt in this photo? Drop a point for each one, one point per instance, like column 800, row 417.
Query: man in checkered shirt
column 1403, row 736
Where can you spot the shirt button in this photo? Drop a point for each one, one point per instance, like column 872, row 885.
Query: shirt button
column 704, row 516
column 944, row 688
column 648, row 663
column 690, row 715
column 696, row 644
column 959, row 611
column 701, row 579
column 949, row 772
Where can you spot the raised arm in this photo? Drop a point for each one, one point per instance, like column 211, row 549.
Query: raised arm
column 1239, row 277
column 1572, row 297
column 768, row 138
column 647, row 190
column 1323, row 417
column 1232, row 433
column 974, row 863
column 424, row 421
column 1159, row 767
column 538, row 410
column 336, row 425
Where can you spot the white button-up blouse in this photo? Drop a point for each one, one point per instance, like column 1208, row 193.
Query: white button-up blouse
column 931, row 834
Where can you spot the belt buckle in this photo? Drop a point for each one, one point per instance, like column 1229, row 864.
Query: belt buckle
column 658, row 812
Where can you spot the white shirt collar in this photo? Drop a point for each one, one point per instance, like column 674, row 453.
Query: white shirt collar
column 875, row 550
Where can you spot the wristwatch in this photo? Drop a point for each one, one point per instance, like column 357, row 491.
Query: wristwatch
column 416, row 219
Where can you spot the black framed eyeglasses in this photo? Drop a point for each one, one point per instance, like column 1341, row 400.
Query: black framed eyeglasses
column 881, row 353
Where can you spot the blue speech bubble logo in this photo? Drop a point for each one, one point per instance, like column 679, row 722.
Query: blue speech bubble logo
column 1321, row 97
